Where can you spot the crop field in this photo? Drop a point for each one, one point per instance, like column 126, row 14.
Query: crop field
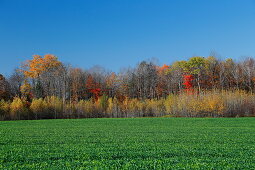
column 134, row 143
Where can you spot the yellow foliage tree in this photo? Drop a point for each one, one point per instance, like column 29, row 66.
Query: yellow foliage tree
column 17, row 108
column 85, row 108
column 38, row 106
column 25, row 89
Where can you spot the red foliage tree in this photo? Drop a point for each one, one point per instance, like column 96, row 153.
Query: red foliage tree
column 93, row 87
column 188, row 82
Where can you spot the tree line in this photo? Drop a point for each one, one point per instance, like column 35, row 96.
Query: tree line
column 44, row 87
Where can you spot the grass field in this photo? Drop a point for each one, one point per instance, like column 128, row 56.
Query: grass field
column 139, row 143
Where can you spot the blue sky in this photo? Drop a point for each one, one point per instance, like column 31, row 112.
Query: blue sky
column 120, row 33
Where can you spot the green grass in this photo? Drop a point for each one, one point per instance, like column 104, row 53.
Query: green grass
column 139, row 143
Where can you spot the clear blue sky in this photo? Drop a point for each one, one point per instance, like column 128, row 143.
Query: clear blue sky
column 120, row 33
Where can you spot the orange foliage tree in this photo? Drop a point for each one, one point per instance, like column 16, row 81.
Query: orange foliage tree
column 33, row 68
column 163, row 68
column 161, row 84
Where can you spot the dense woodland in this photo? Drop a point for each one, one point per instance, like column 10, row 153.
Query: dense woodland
column 45, row 88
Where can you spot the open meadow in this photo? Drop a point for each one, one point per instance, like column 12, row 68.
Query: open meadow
column 134, row 143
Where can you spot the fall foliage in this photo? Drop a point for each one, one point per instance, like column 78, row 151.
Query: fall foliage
column 44, row 88
column 33, row 68
column 188, row 82
column 93, row 87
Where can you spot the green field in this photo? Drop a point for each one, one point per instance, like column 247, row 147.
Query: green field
column 138, row 143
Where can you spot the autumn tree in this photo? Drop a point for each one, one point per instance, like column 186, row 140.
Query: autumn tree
column 26, row 90
column 196, row 66
column 18, row 108
column 77, row 81
column 35, row 68
column 93, row 87
column 188, row 82
column 112, row 83
column 163, row 85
